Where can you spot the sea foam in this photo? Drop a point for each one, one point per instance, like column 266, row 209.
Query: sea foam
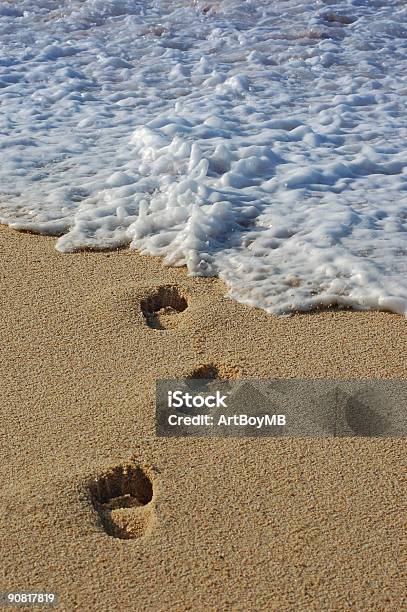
column 258, row 141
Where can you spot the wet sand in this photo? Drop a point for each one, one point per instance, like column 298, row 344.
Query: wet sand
column 215, row 524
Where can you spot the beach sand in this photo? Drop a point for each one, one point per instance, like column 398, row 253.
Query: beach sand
column 227, row 524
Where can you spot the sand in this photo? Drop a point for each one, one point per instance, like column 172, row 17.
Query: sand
column 214, row 524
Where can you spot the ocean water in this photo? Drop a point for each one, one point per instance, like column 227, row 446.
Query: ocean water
column 261, row 141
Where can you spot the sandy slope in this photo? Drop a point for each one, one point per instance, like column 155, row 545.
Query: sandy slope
column 225, row 524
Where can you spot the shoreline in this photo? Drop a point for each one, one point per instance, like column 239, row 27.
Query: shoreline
column 231, row 523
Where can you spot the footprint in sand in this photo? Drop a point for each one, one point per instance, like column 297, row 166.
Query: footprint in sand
column 365, row 414
column 203, row 379
column 204, row 374
column 210, row 376
column 215, row 372
column 207, row 379
column 123, row 497
column 162, row 307
column 354, row 412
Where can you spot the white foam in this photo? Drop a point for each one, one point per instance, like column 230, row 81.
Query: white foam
column 259, row 141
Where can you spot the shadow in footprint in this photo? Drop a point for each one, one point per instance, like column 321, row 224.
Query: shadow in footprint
column 212, row 371
column 203, row 375
column 363, row 416
column 353, row 412
column 123, row 498
column 160, row 309
column 210, row 376
column 203, row 380
column 207, row 379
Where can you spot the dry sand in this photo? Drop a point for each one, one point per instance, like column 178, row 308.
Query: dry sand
column 227, row 524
